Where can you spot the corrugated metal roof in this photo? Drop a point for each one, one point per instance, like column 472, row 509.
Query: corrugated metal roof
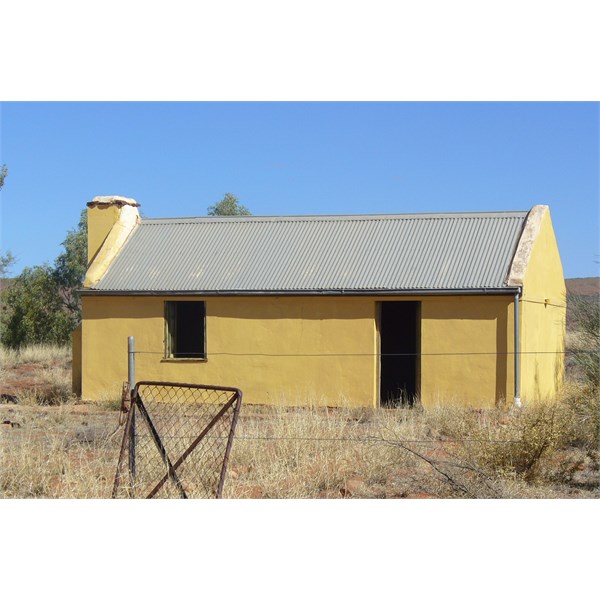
column 317, row 253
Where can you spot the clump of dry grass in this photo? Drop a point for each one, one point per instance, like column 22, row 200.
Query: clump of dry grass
column 312, row 453
column 503, row 443
column 38, row 374
column 51, row 454
column 576, row 340
column 8, row 357
column 53, row 387
column 43, row 354
column 47, row 466
column 582, row 406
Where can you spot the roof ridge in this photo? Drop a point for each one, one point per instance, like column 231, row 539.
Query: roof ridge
column 340, row 217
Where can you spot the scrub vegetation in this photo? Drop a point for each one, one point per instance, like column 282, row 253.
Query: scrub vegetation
column 51, row 446
column 41, row 304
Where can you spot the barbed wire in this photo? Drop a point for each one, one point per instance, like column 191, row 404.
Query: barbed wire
column 368, row 354
column 359, row 440
column 373, row 440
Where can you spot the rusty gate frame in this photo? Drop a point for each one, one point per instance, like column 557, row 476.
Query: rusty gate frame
column 136, row 402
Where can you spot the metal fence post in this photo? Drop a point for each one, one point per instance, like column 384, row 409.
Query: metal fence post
column 517, row 363
column 131, row 380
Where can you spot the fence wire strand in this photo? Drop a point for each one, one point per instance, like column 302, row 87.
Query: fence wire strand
column 205, row 355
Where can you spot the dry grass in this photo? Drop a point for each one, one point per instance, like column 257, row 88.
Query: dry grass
column 36, row 375
column 57, row 452
column 576, row 340
column 50, row 466
column 329, row 454
column 444, row 452
column 53, row 447
column 42, row 354
column 53, row 387
column 67, row 451
column 582, row 406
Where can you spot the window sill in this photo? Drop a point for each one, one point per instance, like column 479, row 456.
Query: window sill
column 184, row 360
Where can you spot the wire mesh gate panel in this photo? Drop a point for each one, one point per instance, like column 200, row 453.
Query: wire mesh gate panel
column 177, row 441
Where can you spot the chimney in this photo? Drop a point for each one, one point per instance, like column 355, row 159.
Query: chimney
column 110, row 221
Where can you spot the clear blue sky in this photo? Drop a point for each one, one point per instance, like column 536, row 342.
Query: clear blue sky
column 176, row 159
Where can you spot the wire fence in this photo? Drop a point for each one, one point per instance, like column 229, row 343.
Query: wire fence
column 373, row 440
column 177, row 441
column 292, row 454
column 371, row 354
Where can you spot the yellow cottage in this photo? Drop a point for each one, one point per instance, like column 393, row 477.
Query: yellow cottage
column 352, row 310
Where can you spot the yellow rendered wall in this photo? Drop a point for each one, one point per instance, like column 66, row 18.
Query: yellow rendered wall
column 305, row 350
column 100, row 222
column 466, row 343
column 278, row 350
column 543, row 318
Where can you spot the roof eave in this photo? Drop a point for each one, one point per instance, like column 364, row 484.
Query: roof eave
column 506, row 290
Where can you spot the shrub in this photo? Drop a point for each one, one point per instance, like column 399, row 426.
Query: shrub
column 583, row 408
column 42, row 304
column 34, row 311
column 533, row 432
column 584, row 313
column 498, row 443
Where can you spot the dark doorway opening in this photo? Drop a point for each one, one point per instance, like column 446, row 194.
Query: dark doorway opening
column 399, row 334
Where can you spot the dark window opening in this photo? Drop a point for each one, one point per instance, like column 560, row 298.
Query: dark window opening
column 399, row 331
column 185, row 330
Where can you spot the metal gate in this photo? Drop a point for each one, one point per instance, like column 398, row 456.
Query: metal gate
column 177, row 441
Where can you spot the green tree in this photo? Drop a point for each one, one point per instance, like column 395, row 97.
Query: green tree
column 42, row 304
column 71, row 265
column 6, row 259
column 3, row 174
column 229, row 206
column 34, row 311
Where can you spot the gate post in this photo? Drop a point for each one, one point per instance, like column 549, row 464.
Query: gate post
column 131, row 380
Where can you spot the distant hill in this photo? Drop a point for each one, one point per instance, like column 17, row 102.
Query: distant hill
column 583, row 286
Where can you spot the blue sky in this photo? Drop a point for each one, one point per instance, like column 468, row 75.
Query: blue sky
column 283, row 158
